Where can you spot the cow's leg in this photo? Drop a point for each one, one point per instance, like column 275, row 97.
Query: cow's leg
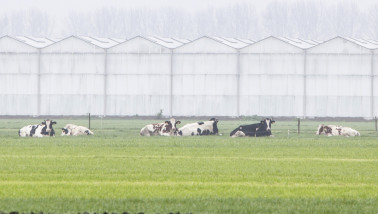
column 145, row 132
column 37, row 135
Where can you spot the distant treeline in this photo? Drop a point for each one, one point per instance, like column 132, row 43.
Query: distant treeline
column 303, row 19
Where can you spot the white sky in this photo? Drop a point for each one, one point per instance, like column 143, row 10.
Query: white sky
column 62, row 7
column 59, row 9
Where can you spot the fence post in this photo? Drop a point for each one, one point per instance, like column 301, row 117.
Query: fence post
column 299, row 126
column 89, row 120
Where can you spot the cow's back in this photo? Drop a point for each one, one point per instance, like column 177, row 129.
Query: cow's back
column 349, row 132
column 151, row 129
column 81, row 130
column 199, row 128
column 25, row 131
column 70, row 126
column 248, row 130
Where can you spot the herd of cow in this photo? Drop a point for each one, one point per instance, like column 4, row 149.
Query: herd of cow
column 169, row 128
column 45, row 129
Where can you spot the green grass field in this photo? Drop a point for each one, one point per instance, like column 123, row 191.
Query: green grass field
column 116, row 170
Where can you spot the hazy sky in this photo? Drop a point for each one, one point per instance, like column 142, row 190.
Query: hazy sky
column 61, row 7
column 59, row 12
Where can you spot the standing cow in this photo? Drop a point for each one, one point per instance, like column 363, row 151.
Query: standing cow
column 332, row 130
column 75, row 130
column 254, row 130
column 200, row 128
column 44, row 129
column 168, row 128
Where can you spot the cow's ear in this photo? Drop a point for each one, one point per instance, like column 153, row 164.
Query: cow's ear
column 63, row 129
column 167, row 122
column 53, row 122
column 178, row 122
column 44, row 122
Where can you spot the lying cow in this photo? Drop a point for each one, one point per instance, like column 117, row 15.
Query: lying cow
column 74, row 130
column 200, row 128
column 332, row 130
column 254, row 130
column 168, row 128
column 44, row 129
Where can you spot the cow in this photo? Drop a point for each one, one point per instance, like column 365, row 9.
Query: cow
column 200, row 128
column 75, row 130
column 254, row 130
column 44, row 129
column 168, row 128
column 333, row 130
column 328, row 130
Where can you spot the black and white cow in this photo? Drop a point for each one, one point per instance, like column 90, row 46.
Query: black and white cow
column 168, row 128
column 332, row 130
column 200, row 128
column 44, row 129
column 75, row 130
column 254, row 130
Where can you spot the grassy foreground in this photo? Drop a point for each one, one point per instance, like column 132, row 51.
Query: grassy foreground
column 116, row 170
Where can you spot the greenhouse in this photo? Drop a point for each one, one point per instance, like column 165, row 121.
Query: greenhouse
column 208, row 76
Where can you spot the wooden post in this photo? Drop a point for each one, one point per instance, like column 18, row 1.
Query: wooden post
column 299, row 126
column 89, row 120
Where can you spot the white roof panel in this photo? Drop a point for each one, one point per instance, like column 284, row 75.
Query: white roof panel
column 183, row 41
column 206, row 45
column 300, row 43
column 101, row 42
column 363, row 43
column 54, row 39
column 166, row 42
column 248, row 41
column 34, row 41
column 235, row 43
column 119, row 40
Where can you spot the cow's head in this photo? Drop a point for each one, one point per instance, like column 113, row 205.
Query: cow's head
column 215, row 126
column 65, row 132
column 267, row 122
column 170, row 126
column 49, row 125
column 88, row 132
column 322, row 129
column 214, row 119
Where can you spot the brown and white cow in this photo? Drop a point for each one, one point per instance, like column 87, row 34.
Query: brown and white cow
column 168, row 128
column 332, row 130
column 75, row 130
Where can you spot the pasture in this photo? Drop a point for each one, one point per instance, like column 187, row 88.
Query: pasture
column 116, row 170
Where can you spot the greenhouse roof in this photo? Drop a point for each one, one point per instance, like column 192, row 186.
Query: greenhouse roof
column 184, row 41
column 300, row 43
column 101, row 42
column 369, row 44
column 34, row 41
column 172, row 43
column 235, row 43
column 167, row 42
column 119, row 40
